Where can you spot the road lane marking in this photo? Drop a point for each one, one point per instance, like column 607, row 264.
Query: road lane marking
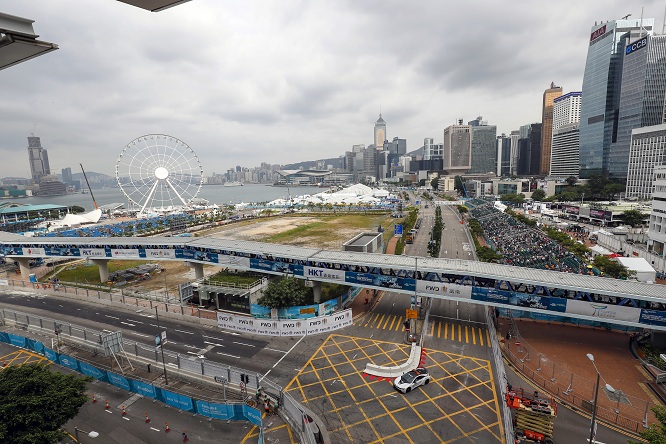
column 190, row 346
column 153, row 428
column 126, row 418
column 243, row 343
column 140, row 334
column 112, row 317
column 274, row 350
column 285, row 355
column 127, row 323
column 184, row 331
column 227, row 354
column 213, row 343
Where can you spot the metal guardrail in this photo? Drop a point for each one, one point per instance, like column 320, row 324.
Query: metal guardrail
column 181, row 367
column 501, row 376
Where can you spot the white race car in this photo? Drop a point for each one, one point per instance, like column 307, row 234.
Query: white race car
column 411, row 380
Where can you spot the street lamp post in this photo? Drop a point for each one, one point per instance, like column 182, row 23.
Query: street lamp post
column 92, row 434
column 593, row 425
column 162, row 337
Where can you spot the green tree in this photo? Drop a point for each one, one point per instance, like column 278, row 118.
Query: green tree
column 539, row 195
column 613, row 189
column 656, row 433
column 633, row 217
column 612, row 268
column 77, row 209
column 462, row 209
column 36, row 402
column 434, row 183
column 571, row 181
column 286, row 292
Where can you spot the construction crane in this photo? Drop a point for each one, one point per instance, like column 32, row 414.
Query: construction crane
column 89, row 189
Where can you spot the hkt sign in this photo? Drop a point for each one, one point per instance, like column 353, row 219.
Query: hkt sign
column 638, row 44
column 598, row 33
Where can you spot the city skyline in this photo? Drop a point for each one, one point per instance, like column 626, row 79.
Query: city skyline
column 251, row 83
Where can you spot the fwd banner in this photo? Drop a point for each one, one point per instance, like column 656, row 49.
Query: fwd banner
column 285, row 327
column 442, row 289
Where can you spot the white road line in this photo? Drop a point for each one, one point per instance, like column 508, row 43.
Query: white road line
column 112, row 317
column 184, row 331
column 126, row 418
column 138, row 322
column 171, row 364
column 140, row 334
column 285, row 355
column 190, row 346
column 243, row 343
column 127, row 323
column 193, row 353
column 153, row 428
column 155, row 325
column 213, row 343
column 108, row 411
column 227, row 354
column 274, row 350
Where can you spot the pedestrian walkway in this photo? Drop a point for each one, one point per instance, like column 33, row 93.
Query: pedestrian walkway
column 554, row 357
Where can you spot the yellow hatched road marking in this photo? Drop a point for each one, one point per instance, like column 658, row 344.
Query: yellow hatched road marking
column 388, row 318
column 379, row 324
column 374, row 316
column 466, row 334
column 459, row 333
column 432, row 329
column 481, row 337
column 473, row 336
column 446, row 330
column 395, row 318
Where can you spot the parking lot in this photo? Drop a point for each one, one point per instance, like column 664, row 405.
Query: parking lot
column 459, row 404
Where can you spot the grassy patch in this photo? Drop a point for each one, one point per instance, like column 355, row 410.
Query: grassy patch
column 326, row 227
column 80, row 272
column 245, row 278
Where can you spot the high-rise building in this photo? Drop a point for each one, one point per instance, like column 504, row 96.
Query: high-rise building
column 515, row 137
column 380, row 132
column 457, row 153
column 484, row 147
column 67, row 175
column 657, row 226
column 642, row 96
column 565, row 144
column 503, row 156
column 431, row 150
column 529, row 150
column 601, row 92
column 39, row 159
column 647, row 150
column 549, row 97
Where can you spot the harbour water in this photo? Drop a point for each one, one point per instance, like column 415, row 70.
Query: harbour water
column 215, row 194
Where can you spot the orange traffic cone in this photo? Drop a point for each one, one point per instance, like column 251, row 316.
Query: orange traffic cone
column 147, row 418
column 94, row 399
column 167, row 428
column 107, row 404
column 4, row 363
column 124, row 412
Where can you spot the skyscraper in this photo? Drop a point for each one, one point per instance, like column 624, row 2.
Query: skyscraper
column 457, row 150
column 647, row 151
column 565, row 146
column 484, row 147
column 380, row 132
column 38, row 158
column 503, row 156
column 642, row 96
column 601, row 92
column 549, row 96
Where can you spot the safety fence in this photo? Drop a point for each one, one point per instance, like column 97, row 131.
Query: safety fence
column 626, row 411
column 230, row 384
column 501, row 375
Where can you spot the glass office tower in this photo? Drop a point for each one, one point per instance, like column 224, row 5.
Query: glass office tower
column 601, row 92
column 642, row 96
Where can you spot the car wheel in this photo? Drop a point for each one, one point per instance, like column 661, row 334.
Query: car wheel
column 409, row 389
column 427, row 381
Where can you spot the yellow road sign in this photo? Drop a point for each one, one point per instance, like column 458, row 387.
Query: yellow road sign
column 411, row 314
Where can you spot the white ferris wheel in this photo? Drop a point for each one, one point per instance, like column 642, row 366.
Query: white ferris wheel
column 159, row 172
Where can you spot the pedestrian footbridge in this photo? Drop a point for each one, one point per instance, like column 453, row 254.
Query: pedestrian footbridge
column 549, row 292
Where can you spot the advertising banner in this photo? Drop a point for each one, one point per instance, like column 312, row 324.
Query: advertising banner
column 324, row 273
column 653, row 317
column 353, row 277
column 237, row 261
column 119, row 381
column 69, row 362
column 129, row 252
column 34, row 252
column 53, row 251
column 35, row 346
column 266, row 265
column 268, row 327
column 51, row 355
column 538, row 302
column 18, row 341
column 93, row 252
column 143, row 389
column 205, row 257
column 601, row 214
column 89, row 370
column 217, row 411
column 295, row 327
column 160, row 254
column 603, row 311
column 442, row 289
column 491, row 295
column 179, row 401
column 252, row 414
column 394, row 283
column 285, row 327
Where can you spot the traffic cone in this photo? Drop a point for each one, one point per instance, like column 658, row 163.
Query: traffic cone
column 94, row 399
column 167, row 428
column 147, row 418
column 124, row 412
column 107, row 404
column 4, row 363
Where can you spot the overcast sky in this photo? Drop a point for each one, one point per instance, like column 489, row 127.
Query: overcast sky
column 245, row 82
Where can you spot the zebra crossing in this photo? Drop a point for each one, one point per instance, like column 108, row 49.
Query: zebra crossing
column 450, row 331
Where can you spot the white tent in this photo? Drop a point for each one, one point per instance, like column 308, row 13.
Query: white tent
column 643, row 269
column 76, row 220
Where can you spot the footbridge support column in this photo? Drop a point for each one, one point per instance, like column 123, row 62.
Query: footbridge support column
column 316, row 290
column 24, row 266
column 103, row 265
column 198, row 270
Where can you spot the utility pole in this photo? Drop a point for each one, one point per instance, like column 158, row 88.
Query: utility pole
column 162, row 338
